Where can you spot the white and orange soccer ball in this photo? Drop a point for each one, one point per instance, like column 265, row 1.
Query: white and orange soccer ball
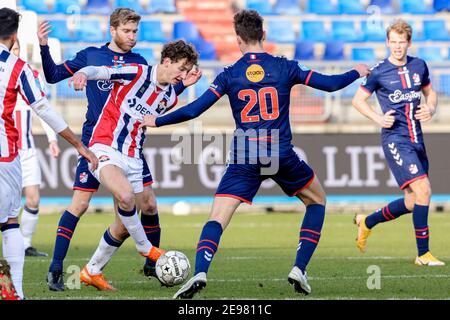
column 173, row 268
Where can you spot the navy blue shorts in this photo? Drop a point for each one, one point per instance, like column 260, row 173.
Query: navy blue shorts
column 408, row 161
column 242, row 181
column 85, row 181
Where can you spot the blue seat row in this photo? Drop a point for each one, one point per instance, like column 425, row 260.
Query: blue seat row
column 101, row 7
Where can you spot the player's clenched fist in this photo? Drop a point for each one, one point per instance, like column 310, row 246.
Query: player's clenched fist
column 387, row 120
column 78, row 81
column 363, row 69
column 149, row 121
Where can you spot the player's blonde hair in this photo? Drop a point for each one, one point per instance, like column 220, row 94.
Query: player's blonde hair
column 401, row 27
column 123, row 16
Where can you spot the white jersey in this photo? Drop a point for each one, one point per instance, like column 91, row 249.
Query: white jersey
column 16, row 76
column 23, row 120
column 136, row 93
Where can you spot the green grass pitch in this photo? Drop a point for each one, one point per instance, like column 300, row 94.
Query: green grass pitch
column 254, row 258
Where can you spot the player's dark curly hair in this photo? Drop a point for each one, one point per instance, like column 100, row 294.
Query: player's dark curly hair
column 248, row 25
column 9, row 22
column 178, row 50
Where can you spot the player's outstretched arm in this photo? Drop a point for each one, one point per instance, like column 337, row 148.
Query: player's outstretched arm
column 426, row 110
column 331, row 83
column 360, row 103
column 122, row 74
column 188, row 112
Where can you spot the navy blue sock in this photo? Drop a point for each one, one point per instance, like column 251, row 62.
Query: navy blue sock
column 420, row 220
column 207, row 245
column 66, row 227
column 390, row 212
column 152, row 231
column 309, row 234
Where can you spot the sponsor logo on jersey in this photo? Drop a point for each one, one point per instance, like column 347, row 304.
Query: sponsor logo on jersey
column 398, row 96
column 103, row 158
column 416, row 79
column 105, row 85
column 413, row 168
column 255, row 73
column 83, row 177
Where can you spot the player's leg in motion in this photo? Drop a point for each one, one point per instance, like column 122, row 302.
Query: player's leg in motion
column 64, row 233
column 13, row 252
column 29, row 220
column 114, row 179
column 112, row 239
column 146, row 203
column 222, row 211
column 314, row 199
column 422, row 191
column 389, row 212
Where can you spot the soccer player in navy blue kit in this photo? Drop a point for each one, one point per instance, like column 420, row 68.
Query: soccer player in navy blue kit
column 123, row 27
column 258, row 86
column 399, row 82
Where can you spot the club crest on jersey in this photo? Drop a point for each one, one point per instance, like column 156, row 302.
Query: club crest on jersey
column 83, row 177
column 413, row 168
column 255, row 73
column 416, row 79
column 103, row 158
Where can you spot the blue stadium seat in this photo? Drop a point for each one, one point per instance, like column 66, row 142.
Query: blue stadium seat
column 385, row 6
column 166, row 6
column 101, row 7
column 69, row 52
column 441, row 5
column 415, row 7
column 206, row 49
column 61, row 31
column 314, row 30
column 417, row 36
column 37, row 6
column 375, row 32
column 430, row 53
column 281, row 31
column 185, row 30
column 151, row 30
column 262, row 6
column 304, row 50
column 147, row 53
column 363, row 54
column 334, row 50
column 132, row 4
column 350, row 90
column 344, row 31
column 435, row 30
column 351, row 7
column 322, row 7
column 201, row 86
column 90, row 31
column 67, row 7
column 444, row 84
column 288, row 7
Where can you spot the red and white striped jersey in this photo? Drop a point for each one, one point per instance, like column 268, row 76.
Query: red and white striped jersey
column 136, row 93
column 16, row 77
column 23, row 120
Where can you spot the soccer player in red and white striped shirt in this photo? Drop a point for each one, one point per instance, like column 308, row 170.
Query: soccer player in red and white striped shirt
column 16, row 77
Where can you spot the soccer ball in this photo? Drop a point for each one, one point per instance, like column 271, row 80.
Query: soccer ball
column 172, row 268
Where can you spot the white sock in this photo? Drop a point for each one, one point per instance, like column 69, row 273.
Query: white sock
column 14, row 253
column 28, row 222
column 102, row 255
column 134, row 227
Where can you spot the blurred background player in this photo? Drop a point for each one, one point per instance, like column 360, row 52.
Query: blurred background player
column 138, row 90
column 16, row 77
column 258, row 86
column 399, row 82
column 31, row 171
column 124, row 24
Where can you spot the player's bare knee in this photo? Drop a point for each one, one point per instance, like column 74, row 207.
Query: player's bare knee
column 126, row 200
column 78, row 208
